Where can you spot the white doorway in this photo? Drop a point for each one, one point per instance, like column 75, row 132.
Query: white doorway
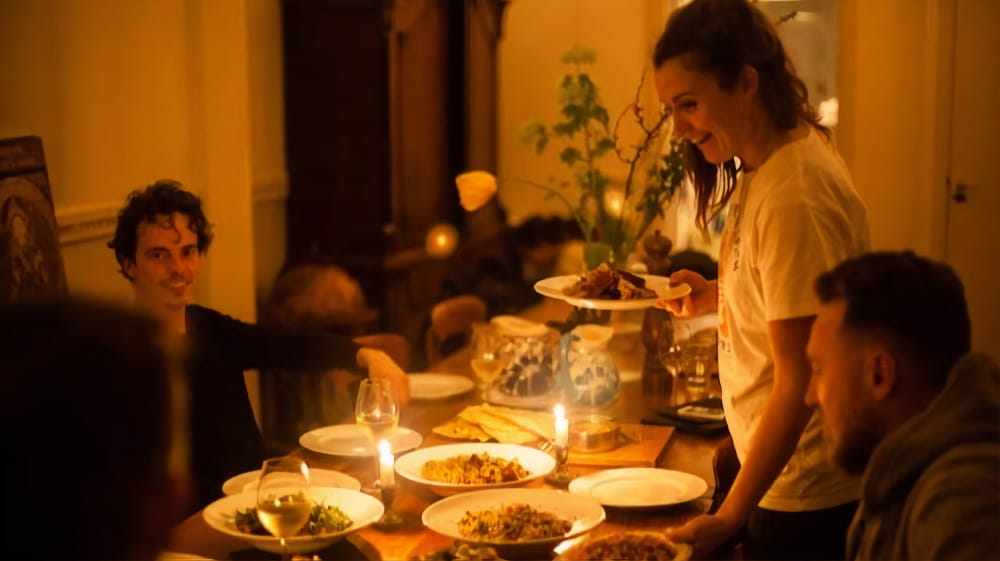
column 973, row 205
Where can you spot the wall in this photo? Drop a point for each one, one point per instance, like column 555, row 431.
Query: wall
column 891, row 124
column 124, row 92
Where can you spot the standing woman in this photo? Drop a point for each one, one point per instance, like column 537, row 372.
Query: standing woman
column 752, row 140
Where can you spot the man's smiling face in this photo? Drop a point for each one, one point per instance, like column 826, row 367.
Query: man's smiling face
column 166, row 262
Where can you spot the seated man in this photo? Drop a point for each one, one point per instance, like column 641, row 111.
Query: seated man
column 907, row 405
column 160, row 238
column 93, row 427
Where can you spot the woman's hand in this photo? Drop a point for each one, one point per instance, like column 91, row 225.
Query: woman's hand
column 705, row 533
column 703, row 298
column 380, row 365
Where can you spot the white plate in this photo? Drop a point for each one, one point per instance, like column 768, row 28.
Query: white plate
column 537, row 463
column 362, row 509
column 553, row 288
column 426, row 385
column 348, row 440
column 541, row 401
column 584, row 512
column 317, row 478
column 639, row 487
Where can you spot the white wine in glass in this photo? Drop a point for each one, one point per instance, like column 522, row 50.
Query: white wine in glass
column 487, row 361
column 283, row 505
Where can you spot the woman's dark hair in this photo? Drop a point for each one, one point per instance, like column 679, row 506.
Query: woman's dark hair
column 164, row 197
column 915, row 304
column 720, row 37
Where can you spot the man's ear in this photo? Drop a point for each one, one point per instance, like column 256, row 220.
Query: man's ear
column 749, row 80
column 882, row 374
column 128, row 267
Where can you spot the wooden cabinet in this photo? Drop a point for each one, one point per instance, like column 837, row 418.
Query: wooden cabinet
column 385, row 101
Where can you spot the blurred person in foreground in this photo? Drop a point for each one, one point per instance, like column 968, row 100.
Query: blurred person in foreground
column 752, row 140
column 94, row 429
column 906, row 405
column 161, row 236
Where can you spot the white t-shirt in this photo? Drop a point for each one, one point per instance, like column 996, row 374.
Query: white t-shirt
column 790, row 220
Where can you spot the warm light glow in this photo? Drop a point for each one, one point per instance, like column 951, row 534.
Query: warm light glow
column 562, row 425
column 614, row 202
column 386, row 470
column 441, row 240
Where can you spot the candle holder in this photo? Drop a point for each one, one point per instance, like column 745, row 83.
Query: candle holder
column 390, row 520
column 560, row 476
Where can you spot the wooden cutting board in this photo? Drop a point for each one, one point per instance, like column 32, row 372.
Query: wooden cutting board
column 643, row 446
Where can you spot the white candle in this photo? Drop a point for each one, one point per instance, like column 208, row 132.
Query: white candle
column 386, row 471
column 562, row 425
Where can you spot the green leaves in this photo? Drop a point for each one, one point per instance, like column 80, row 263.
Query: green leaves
column 619, row 214
column 579, row 55
column 570, row 156
column 534, row 133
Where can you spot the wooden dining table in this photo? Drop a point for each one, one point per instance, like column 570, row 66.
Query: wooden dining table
column 683, row 452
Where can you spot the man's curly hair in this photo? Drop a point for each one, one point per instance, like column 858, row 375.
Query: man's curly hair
column 164, row 197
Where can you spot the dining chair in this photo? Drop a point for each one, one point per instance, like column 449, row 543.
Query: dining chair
column 451, row 324
column 396, row 346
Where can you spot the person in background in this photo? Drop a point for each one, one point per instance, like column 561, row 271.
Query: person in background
column 161, row 235
column 94, row 430
column 752, row 140
column 320, row 296
column 906, row 405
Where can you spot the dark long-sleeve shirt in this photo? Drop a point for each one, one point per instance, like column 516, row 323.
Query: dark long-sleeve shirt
column 225, row 440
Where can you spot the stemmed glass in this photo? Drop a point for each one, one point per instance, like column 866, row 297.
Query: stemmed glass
column 376, row 412
column 283, row 505
column 487, row 361
column 689, row 356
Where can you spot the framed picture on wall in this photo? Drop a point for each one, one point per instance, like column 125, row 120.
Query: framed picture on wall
column 30, row 263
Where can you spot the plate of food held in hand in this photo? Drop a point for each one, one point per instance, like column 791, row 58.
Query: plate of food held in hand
column 605, row 288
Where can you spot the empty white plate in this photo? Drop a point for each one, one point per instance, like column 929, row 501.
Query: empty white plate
column 639, row 487
column 428, row 385
column 348, row 440
column 317, row 478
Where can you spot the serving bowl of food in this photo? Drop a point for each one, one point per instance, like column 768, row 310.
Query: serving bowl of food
column 517, row 523
column 449, row 469
column 335, row 514
column 637, row 545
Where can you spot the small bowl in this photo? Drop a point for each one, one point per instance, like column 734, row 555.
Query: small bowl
column 593, row 432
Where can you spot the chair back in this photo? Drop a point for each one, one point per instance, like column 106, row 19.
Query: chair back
column 31, row 264
column 396, row 346
column 452, row 319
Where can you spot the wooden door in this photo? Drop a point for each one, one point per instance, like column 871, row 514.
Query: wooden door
column 973, row 212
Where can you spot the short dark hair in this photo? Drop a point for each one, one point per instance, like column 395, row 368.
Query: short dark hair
column 164, row 197
column 719, row 38
column 916, row 304
column 86, row 427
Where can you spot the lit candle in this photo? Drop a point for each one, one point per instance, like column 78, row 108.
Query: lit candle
column 562, row 425
column 386, row 472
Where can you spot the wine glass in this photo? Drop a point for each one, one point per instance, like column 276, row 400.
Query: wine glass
column 671, row 353
column 376, row 411
column 487, row 361
column 283, row 506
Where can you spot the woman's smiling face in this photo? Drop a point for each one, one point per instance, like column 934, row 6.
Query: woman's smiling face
column 711, row 118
